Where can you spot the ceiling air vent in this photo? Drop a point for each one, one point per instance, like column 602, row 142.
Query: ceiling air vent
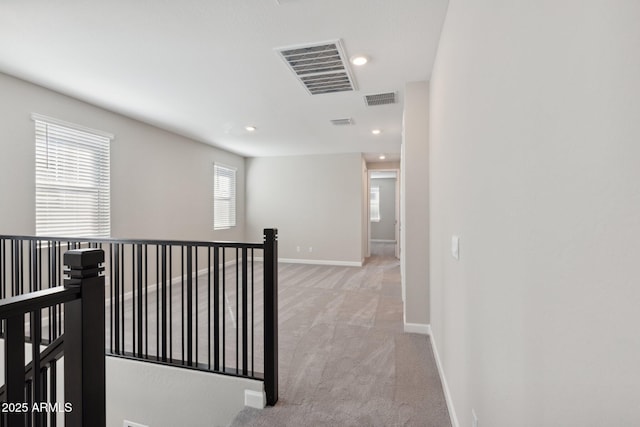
column 321, row 68
column 380, row 99
column 342, row 122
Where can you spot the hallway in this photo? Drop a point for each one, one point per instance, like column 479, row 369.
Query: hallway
column 344, row 358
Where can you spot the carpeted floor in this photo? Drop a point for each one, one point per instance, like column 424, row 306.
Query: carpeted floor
column 344, row 358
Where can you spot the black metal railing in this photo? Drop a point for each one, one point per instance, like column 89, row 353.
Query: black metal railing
column 201, row 305
column 29, row 395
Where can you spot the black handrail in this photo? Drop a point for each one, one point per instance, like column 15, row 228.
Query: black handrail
column 25, row 303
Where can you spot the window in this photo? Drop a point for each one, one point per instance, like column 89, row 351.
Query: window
column 374, row 210
column 224, row 197
column 72, row 180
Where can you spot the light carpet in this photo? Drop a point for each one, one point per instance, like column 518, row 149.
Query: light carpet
column 344, row 358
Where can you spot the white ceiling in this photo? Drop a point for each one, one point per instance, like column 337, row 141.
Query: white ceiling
column 207, row 68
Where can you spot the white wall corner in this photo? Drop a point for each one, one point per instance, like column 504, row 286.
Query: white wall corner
column 443, row 380
column 417, row 328
column 255, row 399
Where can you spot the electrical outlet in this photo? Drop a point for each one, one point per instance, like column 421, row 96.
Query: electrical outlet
column 127, row 423
column 474, row 418
column 310, row 249
column 297, row 248
column 455, row 247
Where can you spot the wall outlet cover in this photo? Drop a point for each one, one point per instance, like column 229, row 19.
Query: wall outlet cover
column 455, row 247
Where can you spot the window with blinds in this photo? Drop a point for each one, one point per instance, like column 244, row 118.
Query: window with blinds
column 224, row 197
column 374, row 209
column 72, row 180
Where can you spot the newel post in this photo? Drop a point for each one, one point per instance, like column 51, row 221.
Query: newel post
column 84, row 337
column 271, row 315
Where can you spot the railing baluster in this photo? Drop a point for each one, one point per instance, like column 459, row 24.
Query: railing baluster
column 31, row 266
column 21, row 266
column 13, row 268
column 171, row 302
column 123, row 307
column 116, row 291
column 209, row 307
column 140, row 271
column 216, row 308
column 195, row 269
column 14, row 357
column 182, row 322
column 36, row 328
column 52, row 391
column 237, row 313
column 112, row 328
column 224, row 309
column 133, row 300
column 3, row 271
column 42, row 417
column 159, row 286
column 189, row 250
column 245, row 337
column 164, row 303
column 253, row 323
column 146, row 302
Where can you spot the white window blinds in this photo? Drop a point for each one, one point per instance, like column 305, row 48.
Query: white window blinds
column 224, row 197
column 72, row 180
column 374, row 209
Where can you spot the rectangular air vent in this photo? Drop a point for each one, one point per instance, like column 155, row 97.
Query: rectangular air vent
column 380, row 99
column 321, row 68
column 342, row 122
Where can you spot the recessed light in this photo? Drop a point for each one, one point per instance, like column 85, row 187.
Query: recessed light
column 250, row 128
column 359, row 60
column 376, row 131
column 382, row 157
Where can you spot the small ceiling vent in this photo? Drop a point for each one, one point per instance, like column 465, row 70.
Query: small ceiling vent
column 380, row 99
column 321, row 68
column 342, row 122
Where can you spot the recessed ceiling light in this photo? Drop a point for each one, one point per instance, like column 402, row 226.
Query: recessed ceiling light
column 359, row 60
column 250, row 128
column 382, row 157
column 376, row 131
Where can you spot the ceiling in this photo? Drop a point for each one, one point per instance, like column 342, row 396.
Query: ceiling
column 208, row 68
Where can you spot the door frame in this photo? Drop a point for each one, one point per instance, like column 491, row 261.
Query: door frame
column 397, row 208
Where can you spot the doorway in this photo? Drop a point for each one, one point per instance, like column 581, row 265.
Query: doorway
column 384, row 207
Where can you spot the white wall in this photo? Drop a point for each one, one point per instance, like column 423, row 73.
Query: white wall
column 164, row 396
column 534, row 145
column 314, row 201
column 414, row 202
column 161, row 183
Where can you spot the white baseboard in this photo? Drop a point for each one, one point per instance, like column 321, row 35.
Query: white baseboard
column 417, row 328
column 382, row 241
column 443, row 379
column 317, row 262
column 321, row 262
